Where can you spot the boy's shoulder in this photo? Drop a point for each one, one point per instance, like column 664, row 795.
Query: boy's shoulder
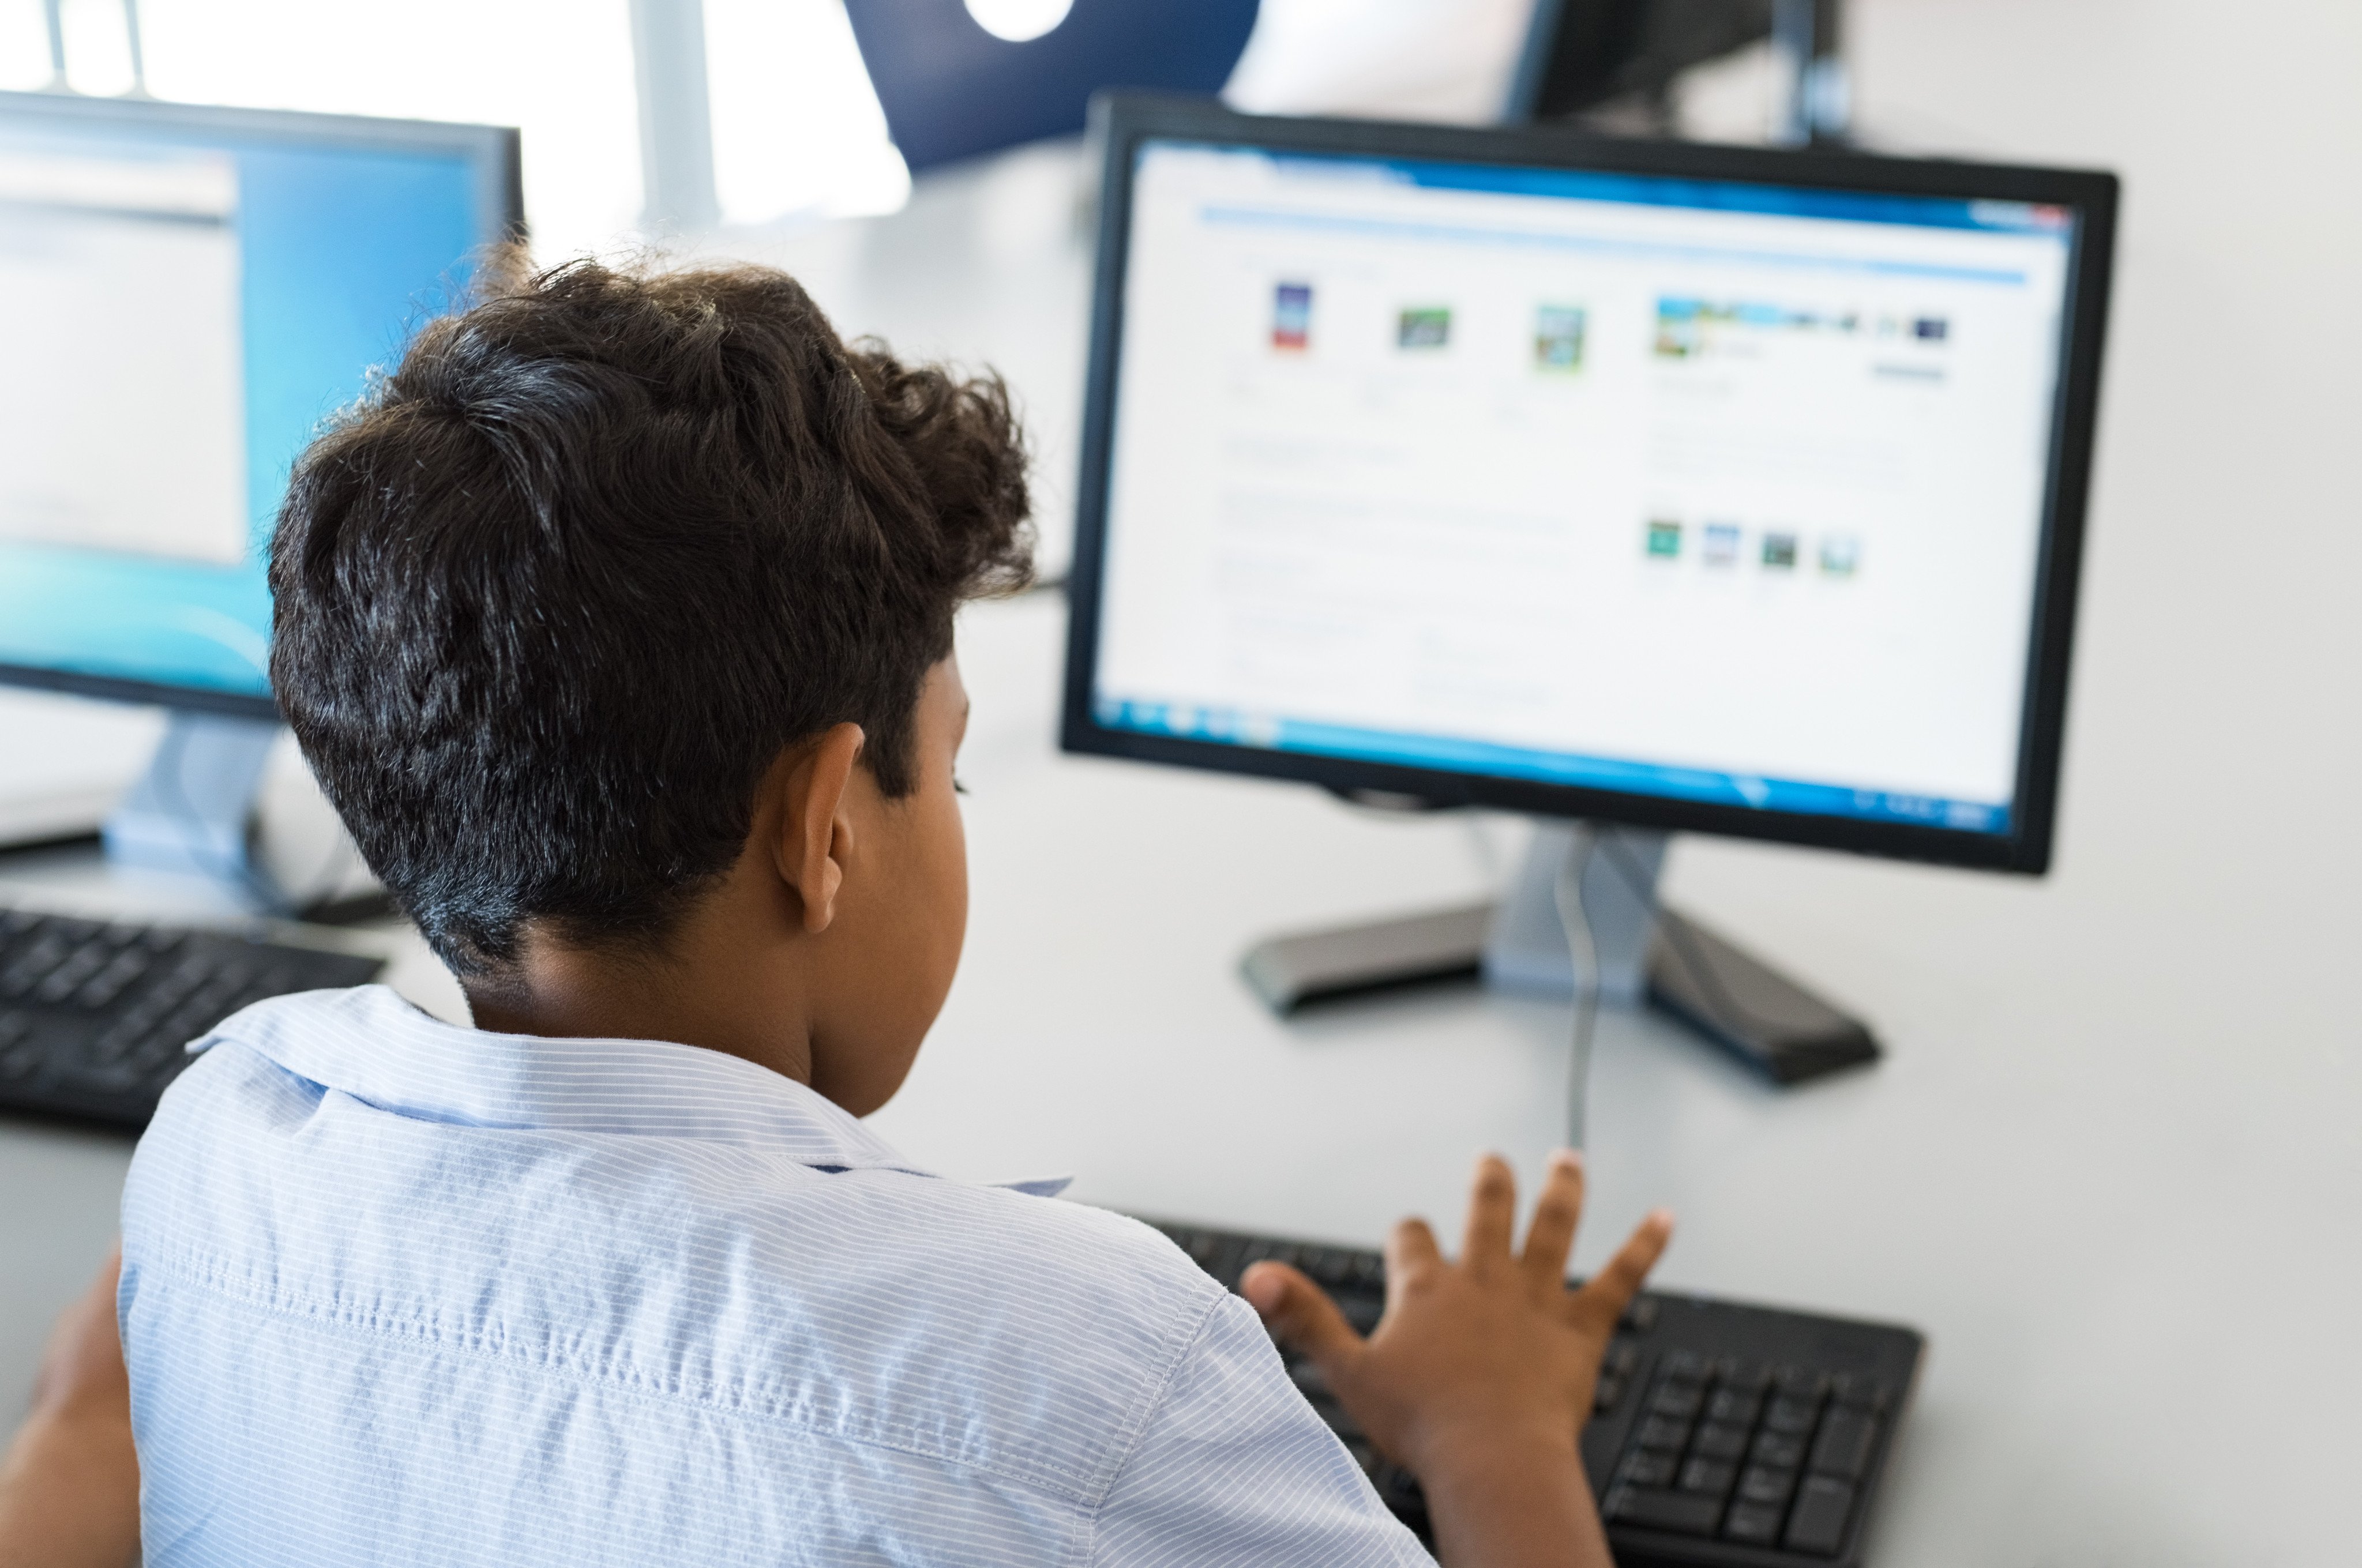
column 826, row 1286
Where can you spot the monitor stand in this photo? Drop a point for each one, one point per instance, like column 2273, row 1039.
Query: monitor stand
column 1637, row 950
column 193, row 811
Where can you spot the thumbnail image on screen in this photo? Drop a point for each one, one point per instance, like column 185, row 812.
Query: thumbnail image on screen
column 1715, row 491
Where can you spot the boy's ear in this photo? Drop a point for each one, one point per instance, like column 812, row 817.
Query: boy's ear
column 816, row 833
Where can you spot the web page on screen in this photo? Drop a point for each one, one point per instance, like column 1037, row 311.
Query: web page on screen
column 1722, row 492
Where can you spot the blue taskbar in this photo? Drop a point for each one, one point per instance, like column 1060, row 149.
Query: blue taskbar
column 1450, row 754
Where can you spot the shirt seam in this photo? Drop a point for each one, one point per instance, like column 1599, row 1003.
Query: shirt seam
column 1129, row 1449
column 1070, row 1485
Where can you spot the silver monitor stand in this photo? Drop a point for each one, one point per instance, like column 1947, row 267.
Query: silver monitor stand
column 1625, row 948
column 195, row 812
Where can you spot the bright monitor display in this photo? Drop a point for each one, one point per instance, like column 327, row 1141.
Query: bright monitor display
column 190, row 292
column 1711, row 491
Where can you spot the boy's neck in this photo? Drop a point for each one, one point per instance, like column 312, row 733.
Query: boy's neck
column 705, row 989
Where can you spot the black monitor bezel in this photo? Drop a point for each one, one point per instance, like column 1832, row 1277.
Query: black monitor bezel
column 496, row 148
column 1122, row 121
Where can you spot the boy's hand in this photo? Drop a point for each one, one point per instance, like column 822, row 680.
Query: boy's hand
column 1479, row 1378
column 69, row 1481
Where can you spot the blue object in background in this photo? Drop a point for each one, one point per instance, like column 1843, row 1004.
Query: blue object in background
column 950, row 90
column 350, row 234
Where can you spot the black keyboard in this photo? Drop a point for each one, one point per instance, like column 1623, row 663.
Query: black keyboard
column 1722, row 1434
column 95, row 1015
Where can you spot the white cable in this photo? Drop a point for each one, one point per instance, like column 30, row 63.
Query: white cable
column 1582, row 952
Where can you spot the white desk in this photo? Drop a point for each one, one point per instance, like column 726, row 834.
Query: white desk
column 2112, row 1163
column 2129, row 1239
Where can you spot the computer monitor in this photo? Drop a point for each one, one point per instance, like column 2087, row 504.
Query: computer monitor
column 194, row 291
column 1581, row 54
column 1685, row 488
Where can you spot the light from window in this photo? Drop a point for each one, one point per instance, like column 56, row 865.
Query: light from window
column 1019, row 20
column 23, row 47
column 797, row 129
column 562, row 74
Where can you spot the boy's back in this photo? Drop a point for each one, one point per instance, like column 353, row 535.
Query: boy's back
column 434, row 1295
column 618, row 627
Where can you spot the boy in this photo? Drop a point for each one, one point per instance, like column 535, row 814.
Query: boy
column 618, row 627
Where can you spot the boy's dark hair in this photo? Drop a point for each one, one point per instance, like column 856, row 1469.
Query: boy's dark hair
column 548, row 603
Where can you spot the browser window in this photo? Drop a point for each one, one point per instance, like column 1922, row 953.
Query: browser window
column 1703, row 489
column 128, row 433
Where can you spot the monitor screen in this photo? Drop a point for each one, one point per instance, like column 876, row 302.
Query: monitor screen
column 194, row 293
column 1700, row 490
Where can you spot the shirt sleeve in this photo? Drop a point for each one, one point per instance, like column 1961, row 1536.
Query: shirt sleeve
column 1234, row 1467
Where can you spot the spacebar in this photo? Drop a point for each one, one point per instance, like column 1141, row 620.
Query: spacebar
column 1687, row 1513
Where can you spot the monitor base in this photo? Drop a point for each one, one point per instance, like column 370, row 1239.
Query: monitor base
column 1644, row 952
column 193, row 811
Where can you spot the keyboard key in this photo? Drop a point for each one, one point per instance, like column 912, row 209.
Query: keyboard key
column 1659, row 1432
column 157, row 1051
column 1802, row 1383
column 1680, row 1401
column 1762, row 1485
column 1640, row 1317
column 1795, row 1416
column 1645, row 1469
column 1332, row 1267
column 1603, row 1397
column 89, row 1078
column 1734, row 1405
column 1706, row 1475
column 1779, row 1451
column 1819, row 1524
column 1747, row 1377
column 1843, row 1448
column 1681, row 1513
column 1716, row 1441
column 1752, row 1523
column 1623, row 1356
column 66, row 978
column 1867, row 1393
column 101, row 988
column 1686, row 1364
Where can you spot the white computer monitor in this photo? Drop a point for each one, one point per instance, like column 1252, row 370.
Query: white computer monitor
column 1713, row 489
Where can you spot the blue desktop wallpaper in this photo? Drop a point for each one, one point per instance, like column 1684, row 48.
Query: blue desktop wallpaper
column 343, row 250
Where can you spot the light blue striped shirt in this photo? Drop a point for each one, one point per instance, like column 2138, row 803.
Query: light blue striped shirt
column 399, row 1292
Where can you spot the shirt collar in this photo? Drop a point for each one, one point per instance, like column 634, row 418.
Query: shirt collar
column 370, row 1044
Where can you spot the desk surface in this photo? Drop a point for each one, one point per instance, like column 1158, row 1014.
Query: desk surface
column 2129, row 1242
column 2112, row 1163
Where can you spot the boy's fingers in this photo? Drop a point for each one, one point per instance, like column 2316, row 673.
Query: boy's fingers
column 1299, row 1313
column 1410, row 1249
column 1491, row 1217
column 1612, row 1288
column 1551, row 1235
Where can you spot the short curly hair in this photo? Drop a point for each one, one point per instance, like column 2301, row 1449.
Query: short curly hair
column 551, row 599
